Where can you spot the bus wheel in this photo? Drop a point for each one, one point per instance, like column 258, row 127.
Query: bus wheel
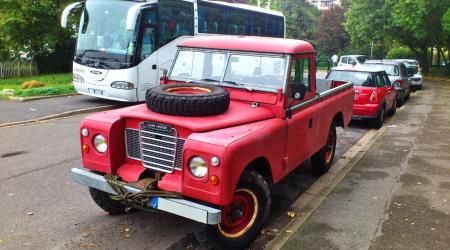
column 323, row 159
column 243, row 218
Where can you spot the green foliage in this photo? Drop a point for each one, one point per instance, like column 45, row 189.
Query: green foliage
column 46, row 91
column 446, row 21
column 301, row 19
column 400, row 53
column 33, row 27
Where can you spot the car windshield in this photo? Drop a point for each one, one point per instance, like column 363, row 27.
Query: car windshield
column 391, row 70
column 357, row 78
column 231, row 69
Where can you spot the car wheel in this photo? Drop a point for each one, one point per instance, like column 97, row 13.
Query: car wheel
column 108, row 202
column 242, row 219
column 393, row 109
column 323, row 159
column 378, row 122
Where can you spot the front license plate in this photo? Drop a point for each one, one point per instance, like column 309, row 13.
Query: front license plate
column 96, row 91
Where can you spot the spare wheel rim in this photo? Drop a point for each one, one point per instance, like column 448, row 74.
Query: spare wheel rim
column 240, row 215
column 188, row 90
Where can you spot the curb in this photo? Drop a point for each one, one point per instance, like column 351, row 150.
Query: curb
column 27, row 99
column 59, row 116
column 312, row 198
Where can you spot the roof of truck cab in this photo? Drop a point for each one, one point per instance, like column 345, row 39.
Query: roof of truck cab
column 250, row 43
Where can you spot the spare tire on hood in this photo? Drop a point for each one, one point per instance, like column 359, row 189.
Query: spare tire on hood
column 188, row 99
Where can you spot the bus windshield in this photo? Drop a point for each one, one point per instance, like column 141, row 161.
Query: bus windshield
column 103, row 40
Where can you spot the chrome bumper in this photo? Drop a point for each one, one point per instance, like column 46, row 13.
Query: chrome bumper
column 181, row 207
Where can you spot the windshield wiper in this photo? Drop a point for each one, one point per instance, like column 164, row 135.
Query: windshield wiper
column 78, row 57
column 239, row 84
column 209, row 80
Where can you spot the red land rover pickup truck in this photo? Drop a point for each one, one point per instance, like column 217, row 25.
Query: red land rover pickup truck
column 233, row 116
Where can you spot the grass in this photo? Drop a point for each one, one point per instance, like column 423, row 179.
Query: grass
column 55, row 84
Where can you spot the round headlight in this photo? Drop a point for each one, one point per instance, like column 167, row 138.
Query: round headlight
column 100, row 143
column 198, row 167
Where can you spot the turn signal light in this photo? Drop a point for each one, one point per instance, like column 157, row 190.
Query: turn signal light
column 214, row 180
column 85, row 148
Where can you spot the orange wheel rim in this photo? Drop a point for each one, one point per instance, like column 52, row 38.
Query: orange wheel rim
column 330, row 147
column 188, row 90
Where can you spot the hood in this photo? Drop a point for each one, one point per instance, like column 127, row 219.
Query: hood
column 238, row 113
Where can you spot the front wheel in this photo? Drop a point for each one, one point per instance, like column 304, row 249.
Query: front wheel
column 322, row 160
column 107, row 202
column 243, row 218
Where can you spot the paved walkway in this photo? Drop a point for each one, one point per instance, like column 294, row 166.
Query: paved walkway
column 12, row 111
column 398, row 194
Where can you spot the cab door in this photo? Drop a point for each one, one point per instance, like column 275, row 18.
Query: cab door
column 301, row 124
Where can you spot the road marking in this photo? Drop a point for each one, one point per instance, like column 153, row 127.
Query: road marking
column 312, row 198
column 59, row 116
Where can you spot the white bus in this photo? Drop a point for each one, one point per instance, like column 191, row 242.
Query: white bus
column 124, row 46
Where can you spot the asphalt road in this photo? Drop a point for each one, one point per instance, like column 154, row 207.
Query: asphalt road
column 42, row 209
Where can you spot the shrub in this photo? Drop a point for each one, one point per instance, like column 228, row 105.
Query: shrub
column 401, row 53
column 32, row 84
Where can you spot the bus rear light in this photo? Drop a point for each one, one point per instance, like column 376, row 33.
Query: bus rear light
column 122, row 85
column 374, row 96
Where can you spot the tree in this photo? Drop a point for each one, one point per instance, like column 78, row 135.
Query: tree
column 416, row 24
column 301, row 19
column 33, row 27
column 331, row 36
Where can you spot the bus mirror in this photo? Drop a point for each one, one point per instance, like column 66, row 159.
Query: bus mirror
column 133, row 14
column 66, row 12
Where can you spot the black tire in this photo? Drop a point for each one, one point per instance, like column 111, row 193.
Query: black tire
column 219, row 236
column 378, row 121
column 188, row 99
column 107, row 203
column 393, row 110
column 323, row 159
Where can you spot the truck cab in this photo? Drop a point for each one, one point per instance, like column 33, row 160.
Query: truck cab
column 232, row 117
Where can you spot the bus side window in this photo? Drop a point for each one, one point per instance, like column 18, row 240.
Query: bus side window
column 212, row 18
column 176, row 19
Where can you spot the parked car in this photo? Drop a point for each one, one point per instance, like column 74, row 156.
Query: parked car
column 416, row 78
column 233, row 116
column 398, row 75
column 352, row 60
column 374, row 94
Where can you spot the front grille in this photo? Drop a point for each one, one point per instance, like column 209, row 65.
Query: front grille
column 156, row 145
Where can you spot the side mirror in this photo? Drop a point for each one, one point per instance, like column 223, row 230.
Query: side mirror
column 354, row 63
column 66, row 12
column 163, row 79
column 298, row 91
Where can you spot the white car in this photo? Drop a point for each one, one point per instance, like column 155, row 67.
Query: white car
column 417, row 78
column 352, row 60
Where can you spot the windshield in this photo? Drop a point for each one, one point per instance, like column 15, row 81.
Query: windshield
column 357, row 78
column 361, row 59
column 103, row 40
column 391, row 70
column 238, row 70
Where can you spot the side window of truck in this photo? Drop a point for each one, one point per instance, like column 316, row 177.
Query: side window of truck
column 300, row 72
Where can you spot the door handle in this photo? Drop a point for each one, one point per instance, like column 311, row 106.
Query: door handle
column 154, row 66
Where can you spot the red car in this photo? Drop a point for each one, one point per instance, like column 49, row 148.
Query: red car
column 374, row 97
column 233, row 116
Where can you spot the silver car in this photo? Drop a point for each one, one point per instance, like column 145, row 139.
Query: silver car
column 417, row 78
column 398, row 76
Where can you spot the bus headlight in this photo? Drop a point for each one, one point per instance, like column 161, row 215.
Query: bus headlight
column 122, row 85
column 78, row 78
column 100, row 143
column 198, row 167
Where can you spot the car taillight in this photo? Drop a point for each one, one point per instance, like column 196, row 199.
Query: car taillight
column 399, row 83
column 373, row 96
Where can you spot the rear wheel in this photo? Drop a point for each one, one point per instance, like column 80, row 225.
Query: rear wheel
column 378, row 122
column 322, row 160
column 243, row 218
column 393, row 109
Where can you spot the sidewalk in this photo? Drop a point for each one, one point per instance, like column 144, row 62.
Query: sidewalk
column 12, row 111
column 398, row 195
